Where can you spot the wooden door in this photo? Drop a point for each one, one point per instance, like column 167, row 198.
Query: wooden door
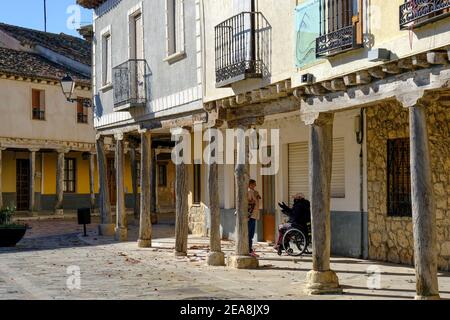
column 111, row 176
column 23, row 184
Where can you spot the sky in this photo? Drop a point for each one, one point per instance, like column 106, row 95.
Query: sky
column 62, row 15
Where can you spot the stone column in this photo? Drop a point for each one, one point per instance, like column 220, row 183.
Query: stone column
column 215, row 256
column 1, row 188
column 32, row 180
column 60, row 183
column 154, row 214
column 321, row 280
column 121, row 232
column 242, row 259
column 423, row 213
column 134, row 179
column 145, row 224
column 106, row 226
column 182, row 208
column 91, row 180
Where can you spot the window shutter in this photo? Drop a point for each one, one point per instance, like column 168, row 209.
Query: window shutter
column 298, row 169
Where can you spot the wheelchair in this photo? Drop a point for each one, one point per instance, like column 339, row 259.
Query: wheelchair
column 296, row 241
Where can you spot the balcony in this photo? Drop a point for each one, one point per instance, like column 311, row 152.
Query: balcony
column 242, row 45
column 130, row 84
column 340, row 27
column 336, row 42
column 416, row 13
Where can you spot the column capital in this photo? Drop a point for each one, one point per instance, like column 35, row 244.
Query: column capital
column 62, row 150
column 417, row 98
column 99, row 136
column 118, row 136
column 3, row 148
column 34, row 149
column 317, row 118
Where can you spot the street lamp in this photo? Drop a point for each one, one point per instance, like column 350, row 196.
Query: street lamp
column 68, row 87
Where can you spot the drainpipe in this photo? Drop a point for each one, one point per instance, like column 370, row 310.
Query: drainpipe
column 359, row 128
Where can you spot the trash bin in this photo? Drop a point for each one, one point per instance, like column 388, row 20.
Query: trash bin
column 84, row 216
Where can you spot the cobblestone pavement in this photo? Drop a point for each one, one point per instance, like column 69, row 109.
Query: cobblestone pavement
column 38, row 269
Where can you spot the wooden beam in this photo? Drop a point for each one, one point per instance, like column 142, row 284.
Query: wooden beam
column 255, row 96
column 281, row 87
column 232, row 102
column 437, row 57
column 420, row 60
column 338, row 85
column 298, row 92
column 350, row 79
column 326, row 85
column 377, row 72
column 413, row 83
column 363, row 77
column 406, row 64
column 391, row 68
column 242, row 98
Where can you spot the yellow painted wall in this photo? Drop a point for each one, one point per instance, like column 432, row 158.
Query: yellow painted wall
column 8, row 172
column 82, row 168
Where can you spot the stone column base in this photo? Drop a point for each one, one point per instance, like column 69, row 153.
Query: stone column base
column 121, row 234
column 142, row 243
column 106, row 229
column 322, row 282
column 59, row 212
column 242, row 262
column 180, row 254
column 435, row 297
column 215, row 259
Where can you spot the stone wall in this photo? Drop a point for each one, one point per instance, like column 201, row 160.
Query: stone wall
column 390, row 238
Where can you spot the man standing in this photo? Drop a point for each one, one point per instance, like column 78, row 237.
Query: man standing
column 253, row 213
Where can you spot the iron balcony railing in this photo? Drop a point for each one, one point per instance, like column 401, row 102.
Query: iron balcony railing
column 338, row 30
column 130, row 84
column 242, row 45
column 38, row 114
column 336, row 41
column 415, row 13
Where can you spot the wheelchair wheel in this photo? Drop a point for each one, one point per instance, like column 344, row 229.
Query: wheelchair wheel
column 294, row 242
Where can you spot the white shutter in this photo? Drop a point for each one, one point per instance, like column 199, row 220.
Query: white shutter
column 298, row 169
column 338, row 170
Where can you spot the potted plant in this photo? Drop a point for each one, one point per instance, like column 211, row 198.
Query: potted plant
column 10, row 232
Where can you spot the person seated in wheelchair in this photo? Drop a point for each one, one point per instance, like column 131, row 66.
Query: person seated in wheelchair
column 299, row 216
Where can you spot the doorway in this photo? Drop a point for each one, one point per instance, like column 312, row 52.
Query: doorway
column 268, row 197
column 23, row 184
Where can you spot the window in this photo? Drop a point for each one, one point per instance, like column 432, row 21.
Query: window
column 341, row 26
column 162, row 175
column 197, row 183
column 106, row 59
column 398, row 178
column 175, row 27
column 82, row 112
column 69, row 175
column 38, row 104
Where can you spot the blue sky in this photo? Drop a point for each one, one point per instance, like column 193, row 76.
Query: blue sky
column 30, row 14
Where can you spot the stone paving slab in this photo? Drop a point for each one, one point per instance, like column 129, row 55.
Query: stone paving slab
column 37, row 269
